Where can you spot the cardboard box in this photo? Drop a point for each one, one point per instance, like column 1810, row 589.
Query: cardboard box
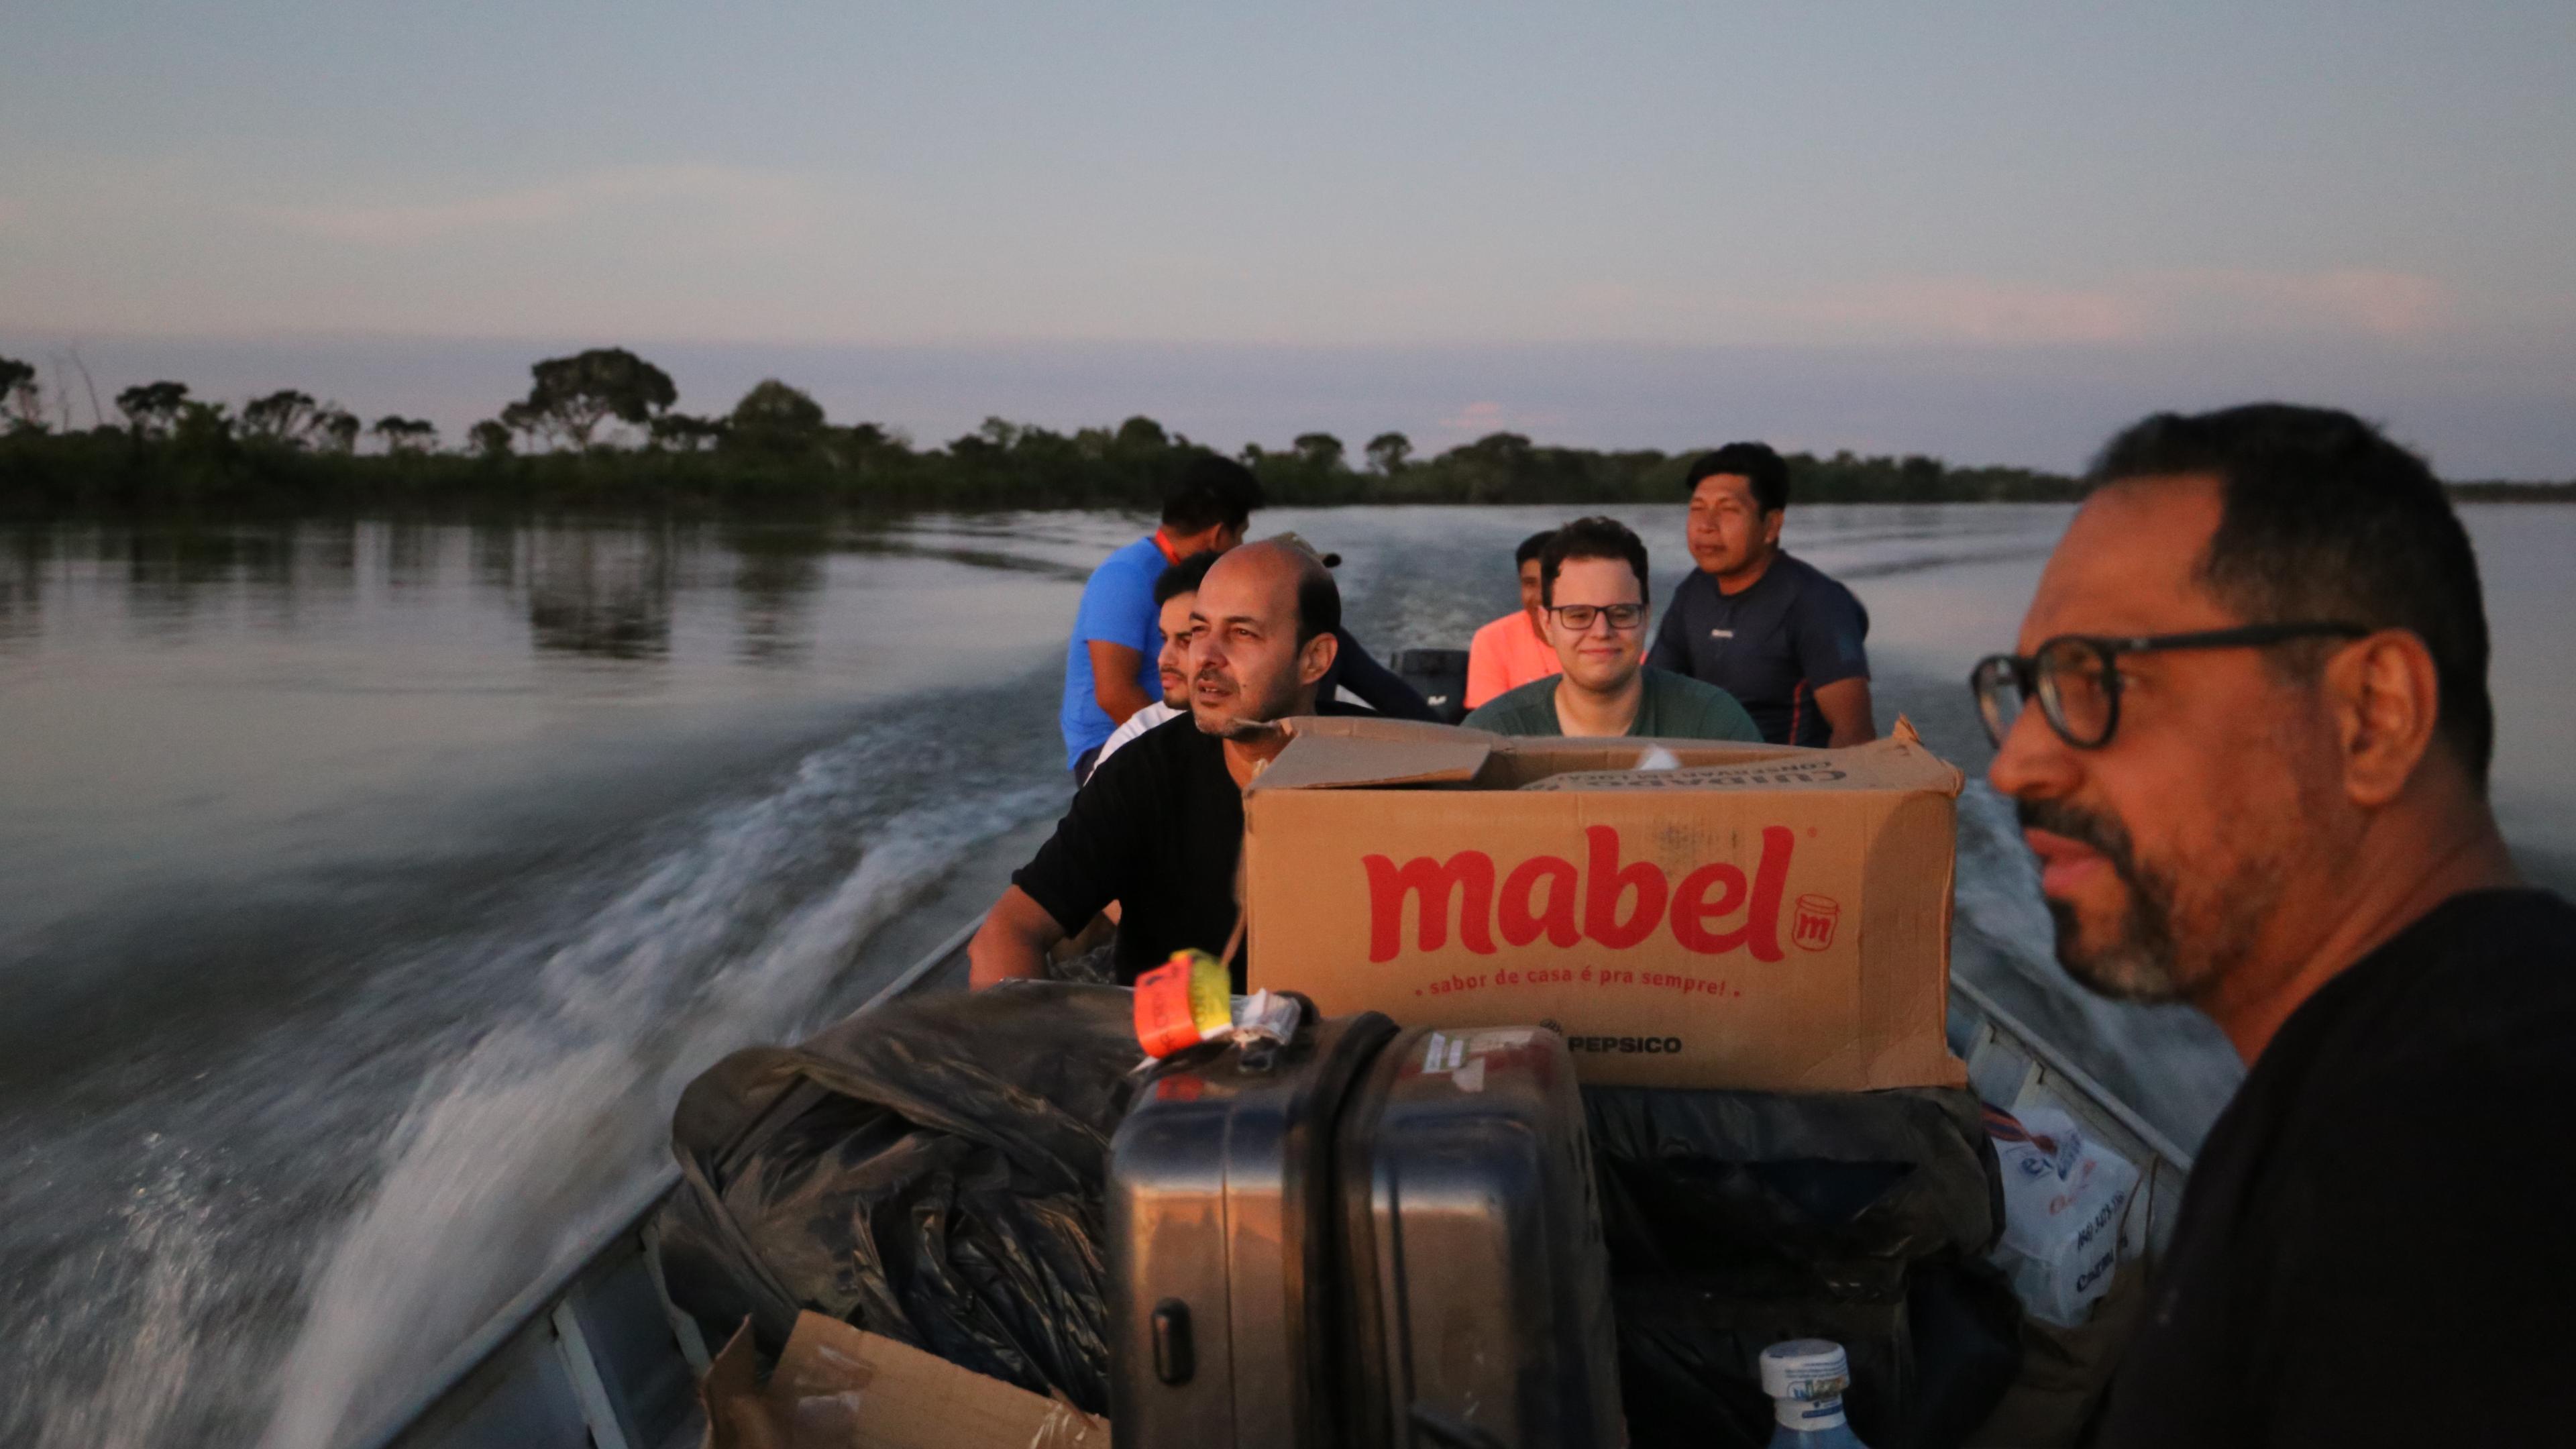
column 841, row 1387
column 1761, row 917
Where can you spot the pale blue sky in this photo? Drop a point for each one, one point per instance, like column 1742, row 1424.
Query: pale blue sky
column 1992, row 231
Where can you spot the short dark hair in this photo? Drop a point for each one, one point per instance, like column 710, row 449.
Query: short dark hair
column 2325, row 519
column 1594, row 537
column 1211, row 490
column 1183, row 577
column 1531, row 547
column 1753, row 462
column 1319, row 602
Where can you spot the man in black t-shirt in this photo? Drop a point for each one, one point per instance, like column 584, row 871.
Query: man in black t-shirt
column 1159, row 826
column 1771, row 630
column 2248, row 733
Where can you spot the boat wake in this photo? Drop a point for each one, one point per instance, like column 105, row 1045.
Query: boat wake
column 305, row 1228
column 510, row 1156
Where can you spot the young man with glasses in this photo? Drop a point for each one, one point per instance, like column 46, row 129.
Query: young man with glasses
column 1592, row 595
column 1769, row 629
column 2248, row 732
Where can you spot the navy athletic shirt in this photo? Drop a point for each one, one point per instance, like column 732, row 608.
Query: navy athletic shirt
column 1772, row 646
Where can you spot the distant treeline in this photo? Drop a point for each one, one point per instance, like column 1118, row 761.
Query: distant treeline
column 597, row 430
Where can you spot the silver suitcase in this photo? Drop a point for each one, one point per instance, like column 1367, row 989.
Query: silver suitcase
column 1479, row 1288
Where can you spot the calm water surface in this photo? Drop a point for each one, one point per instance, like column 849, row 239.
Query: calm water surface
column 368, row 891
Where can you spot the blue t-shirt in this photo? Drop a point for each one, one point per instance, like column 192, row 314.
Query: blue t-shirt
column 1117, row 608
column 1772, row 646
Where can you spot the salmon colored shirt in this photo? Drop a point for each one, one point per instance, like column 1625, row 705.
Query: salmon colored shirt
column 1505, row 655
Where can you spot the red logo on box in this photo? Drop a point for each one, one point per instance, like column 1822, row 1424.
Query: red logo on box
column 1811, row 927
column 1613, row 904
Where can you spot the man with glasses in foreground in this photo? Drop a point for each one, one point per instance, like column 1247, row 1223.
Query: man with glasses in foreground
column 2248, row 734
column 1592, row 594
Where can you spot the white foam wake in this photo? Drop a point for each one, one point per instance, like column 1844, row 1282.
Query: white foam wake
column 508, row 1155
column 164, row 1267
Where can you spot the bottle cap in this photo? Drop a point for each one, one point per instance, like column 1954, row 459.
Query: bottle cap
column 1805, row 1378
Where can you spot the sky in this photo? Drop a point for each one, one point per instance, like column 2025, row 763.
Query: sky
column 1994, row 232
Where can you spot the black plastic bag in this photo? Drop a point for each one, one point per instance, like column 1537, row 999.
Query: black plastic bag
column 931, row 1171
column 1792, row 1183
column 1738, row 1219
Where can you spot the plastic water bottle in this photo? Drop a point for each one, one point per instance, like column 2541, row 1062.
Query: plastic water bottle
column 1805, row 1378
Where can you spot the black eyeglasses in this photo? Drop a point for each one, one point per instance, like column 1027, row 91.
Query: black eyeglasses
column 1579, row 617
column 2076, row 677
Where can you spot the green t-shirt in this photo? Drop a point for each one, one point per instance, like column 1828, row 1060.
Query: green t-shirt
column 1676, row 707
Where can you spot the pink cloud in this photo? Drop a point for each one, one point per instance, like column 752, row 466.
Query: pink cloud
column 1963, row 309
column 2387, row 304
column 1477, row 419
column 2138, row 307
column 769, row 203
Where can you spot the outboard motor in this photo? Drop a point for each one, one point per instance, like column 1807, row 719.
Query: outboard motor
column 1441, row 677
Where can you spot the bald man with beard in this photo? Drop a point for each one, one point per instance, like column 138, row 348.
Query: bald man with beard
column 1159, row 826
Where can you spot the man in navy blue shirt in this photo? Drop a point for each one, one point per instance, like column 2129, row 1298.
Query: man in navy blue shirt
column 1109, row 670
column 1769, row 629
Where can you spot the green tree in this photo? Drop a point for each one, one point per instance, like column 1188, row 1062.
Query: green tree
column 1919, row 478
column 404, row 435
column 203, row 430
column 338, row 428
column 1320, row 450
column 489, row 438
column 525, row 417
column 1387, row 452
column 685, row 432
column 286, row 416
column 21, row 401
column 775, row 418
column 572, row 396
column 1142, row 434
column 152, row 408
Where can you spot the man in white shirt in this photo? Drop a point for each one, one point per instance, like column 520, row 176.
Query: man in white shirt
column 1174, row 591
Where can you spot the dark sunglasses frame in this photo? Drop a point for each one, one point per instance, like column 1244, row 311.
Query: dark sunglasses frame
column 2023, row 671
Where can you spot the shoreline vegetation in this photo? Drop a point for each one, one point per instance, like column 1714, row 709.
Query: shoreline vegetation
column 597, row 430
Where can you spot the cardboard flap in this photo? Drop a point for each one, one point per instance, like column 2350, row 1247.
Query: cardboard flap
column 1332, row 752
column 1898, row 762
column 841, row 1387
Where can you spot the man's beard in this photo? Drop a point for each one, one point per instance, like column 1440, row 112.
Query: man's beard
column 2139, row 961
column 1258, row 722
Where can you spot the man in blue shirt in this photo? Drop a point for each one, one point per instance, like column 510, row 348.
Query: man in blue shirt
column 1769, row 629
column 1109, row 669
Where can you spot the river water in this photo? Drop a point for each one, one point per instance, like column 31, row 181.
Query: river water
column 368, row 891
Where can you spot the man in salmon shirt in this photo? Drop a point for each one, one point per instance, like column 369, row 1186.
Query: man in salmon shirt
column 1513, row 650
